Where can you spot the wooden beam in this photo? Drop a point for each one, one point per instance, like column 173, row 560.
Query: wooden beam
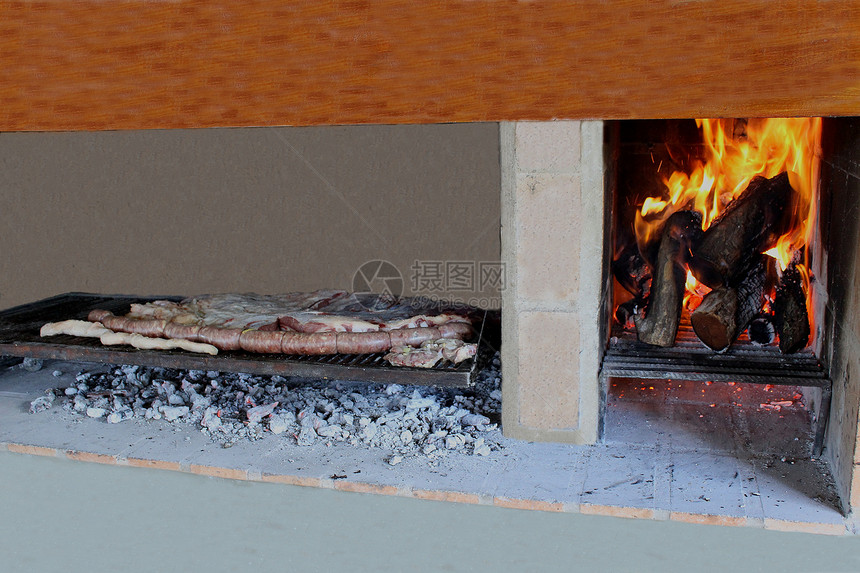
column 91, row 64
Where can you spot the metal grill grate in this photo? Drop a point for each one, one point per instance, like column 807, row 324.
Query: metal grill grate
column 744, row 361
column 689, row 359
column 19, row 336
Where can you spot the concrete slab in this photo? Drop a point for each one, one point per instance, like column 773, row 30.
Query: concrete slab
column 659, row 460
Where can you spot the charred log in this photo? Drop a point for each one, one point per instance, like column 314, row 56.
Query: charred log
column 659, row 324
column 726, row 311
column 626, row 312
column 750, row 225
column 632, row 272
column 789, row 310
column 761, row 330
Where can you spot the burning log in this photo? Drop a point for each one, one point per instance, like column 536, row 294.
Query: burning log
column 726, row 311
column 789, row 310
column 659, row 325
column 750, row 225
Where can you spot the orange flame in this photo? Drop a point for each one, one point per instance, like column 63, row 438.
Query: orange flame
column 735, row 153
column 695, row 291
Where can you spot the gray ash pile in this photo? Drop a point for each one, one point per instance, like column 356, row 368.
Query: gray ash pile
column 407, row 421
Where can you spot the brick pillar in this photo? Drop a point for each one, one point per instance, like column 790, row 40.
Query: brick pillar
column 552, row 247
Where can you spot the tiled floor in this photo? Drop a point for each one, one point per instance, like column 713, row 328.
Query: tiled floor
column 727, row 449
column 667, row 454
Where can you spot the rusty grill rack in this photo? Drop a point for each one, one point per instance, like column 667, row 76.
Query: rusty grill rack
column 744, row 361
column 19, row 336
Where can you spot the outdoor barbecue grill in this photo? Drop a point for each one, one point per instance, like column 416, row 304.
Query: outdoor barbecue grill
column 19, row 336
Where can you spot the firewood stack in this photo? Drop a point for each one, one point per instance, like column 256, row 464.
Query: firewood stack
column 727, row 257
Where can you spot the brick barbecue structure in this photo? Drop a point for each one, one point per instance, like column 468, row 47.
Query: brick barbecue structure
column 552, row 74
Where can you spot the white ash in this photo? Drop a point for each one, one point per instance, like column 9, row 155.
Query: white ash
column 94, row 412
column 32, row 364
column 42, row 403
column 407, row 421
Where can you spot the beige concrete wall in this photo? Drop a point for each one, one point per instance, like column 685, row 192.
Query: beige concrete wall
column 266, row 210
column 552, row 246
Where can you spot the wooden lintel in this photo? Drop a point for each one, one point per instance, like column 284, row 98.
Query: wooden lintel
column 92, row 65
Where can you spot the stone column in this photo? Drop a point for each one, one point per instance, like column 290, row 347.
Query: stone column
column 552, row 248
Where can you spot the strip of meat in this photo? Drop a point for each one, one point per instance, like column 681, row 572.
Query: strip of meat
column 456, row 351
column 98, row 314
column 182, row 331
column 362, row 342
column 74, row 328
column 322, row 322
column 363, row 321
column 431, row 352
column 455, row 330
column 337, row 342
column 326, row 298
column 144, row 326
column 109, row 337
column 313, row 343
column 117, row 323
column 223, row 338
column 261, row 341
column 413, row 357
column 146, row 343
column 149, row 326
column 161, row 309
column 414, row 336
column 251, row 310
column 423, row 320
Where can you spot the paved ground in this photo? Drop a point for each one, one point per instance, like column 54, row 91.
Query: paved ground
column 667, row 455
column 62, row 515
